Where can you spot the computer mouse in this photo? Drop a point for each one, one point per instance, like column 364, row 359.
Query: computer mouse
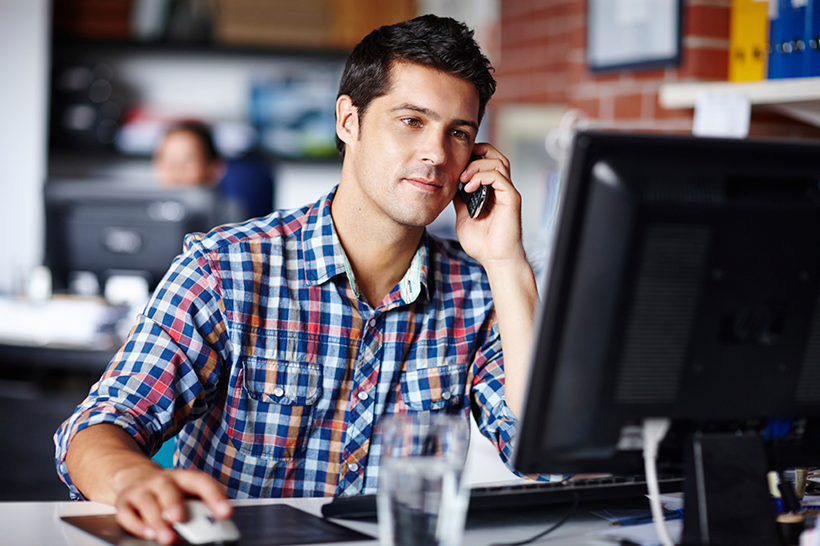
column 202, row 527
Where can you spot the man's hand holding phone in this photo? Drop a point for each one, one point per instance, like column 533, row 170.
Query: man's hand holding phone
column 491, row 231
column 475, row 201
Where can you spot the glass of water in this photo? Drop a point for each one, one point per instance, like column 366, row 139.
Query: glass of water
column 421, row 497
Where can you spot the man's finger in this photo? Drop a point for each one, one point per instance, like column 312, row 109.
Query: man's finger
column 205, row 487
column 170, row 499
column 149, row 510
column 143, row 520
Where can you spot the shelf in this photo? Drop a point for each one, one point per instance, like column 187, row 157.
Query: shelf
column 798, row 98
column 70, row 48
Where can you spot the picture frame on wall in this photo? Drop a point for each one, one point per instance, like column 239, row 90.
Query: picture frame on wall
column 634, row 34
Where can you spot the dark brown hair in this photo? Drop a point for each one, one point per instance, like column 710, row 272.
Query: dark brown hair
column 441, row 43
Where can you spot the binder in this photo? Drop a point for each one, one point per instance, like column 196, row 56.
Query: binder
column 774, row 68
column 811, row 60
column 787, row 32
column 748, row 40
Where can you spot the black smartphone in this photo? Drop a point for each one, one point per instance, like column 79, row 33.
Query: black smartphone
column 476, row 200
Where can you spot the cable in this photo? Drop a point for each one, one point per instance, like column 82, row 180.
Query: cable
column 654, row 431
column 542, row 534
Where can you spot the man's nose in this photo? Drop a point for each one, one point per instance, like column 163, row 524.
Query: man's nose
column 434, row 148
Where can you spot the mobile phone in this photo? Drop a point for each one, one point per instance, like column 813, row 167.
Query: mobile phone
column 476, row 200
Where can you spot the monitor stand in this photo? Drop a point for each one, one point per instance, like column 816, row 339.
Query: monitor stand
column 727, row 499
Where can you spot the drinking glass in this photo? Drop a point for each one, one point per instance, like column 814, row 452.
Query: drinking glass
column 422, row 500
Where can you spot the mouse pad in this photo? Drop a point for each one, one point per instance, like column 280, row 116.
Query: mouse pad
column 259, row 525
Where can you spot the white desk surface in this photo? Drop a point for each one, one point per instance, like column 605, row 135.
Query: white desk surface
column 39, row 524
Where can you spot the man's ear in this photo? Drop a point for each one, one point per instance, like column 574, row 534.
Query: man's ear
column 347, row 120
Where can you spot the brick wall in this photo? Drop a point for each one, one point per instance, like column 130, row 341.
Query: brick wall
column 543, row 61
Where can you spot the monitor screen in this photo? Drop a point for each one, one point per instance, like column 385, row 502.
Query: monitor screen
column 107, row 228
column 684, row 284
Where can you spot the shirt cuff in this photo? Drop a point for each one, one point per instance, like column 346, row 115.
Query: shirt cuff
column 82, row 420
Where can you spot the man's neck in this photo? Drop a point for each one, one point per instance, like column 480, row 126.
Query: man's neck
column 378, row 250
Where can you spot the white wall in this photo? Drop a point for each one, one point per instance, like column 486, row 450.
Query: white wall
column 24, row 60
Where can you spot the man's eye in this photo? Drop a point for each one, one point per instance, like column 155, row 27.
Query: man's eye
column 458, row 133
column 412, row 122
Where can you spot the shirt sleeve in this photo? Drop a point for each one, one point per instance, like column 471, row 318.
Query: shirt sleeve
column 167, row 371
column 495, row 420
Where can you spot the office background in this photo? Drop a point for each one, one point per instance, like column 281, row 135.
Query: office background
column 545, row 85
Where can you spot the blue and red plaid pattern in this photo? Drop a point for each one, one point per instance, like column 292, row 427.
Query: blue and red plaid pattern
column 257, row 355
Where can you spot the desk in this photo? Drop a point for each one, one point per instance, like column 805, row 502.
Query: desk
column 39, row 523
column 45, row 372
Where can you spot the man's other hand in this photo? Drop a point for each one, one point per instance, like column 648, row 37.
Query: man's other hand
column 107, row 465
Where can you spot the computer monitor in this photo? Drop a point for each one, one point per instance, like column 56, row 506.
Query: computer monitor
column 106, row 227
column 684, row 284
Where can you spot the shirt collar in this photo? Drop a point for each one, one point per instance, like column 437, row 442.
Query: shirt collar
column 324, row 256
column 415, row 278
column 322, row 251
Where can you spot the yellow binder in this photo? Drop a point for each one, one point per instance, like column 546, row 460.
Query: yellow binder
column 748, row 40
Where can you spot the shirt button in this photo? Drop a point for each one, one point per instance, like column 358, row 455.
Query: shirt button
column 446, row 395
column 354, row 467
column 362, row 395
column 278, row 391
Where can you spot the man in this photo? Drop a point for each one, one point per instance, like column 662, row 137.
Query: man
column 273, row 347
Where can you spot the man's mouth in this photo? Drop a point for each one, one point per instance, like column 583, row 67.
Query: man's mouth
column 425, row 184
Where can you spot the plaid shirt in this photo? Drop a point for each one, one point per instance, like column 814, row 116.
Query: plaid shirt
column 257, row 354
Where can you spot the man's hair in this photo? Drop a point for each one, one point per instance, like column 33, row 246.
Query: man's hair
column 441, row 43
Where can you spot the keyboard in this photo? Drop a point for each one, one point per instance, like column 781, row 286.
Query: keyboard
column 522, row 495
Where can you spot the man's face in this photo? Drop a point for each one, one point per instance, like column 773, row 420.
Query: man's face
column 413, row 143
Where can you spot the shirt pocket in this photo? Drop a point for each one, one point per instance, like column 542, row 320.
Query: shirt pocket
column 272, row 407
column 434, row 388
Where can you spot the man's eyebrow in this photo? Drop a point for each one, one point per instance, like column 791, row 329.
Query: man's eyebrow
column 433, row 115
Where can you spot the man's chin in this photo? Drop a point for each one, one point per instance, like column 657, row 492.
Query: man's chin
column 420, row 217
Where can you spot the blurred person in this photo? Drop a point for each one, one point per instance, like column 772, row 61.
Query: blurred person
column 271, row 348
column 187, row 157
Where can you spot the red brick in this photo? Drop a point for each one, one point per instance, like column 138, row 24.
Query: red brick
column 552, row 4
column 628, row 106
column 549, row 98
column 574, row 7
column 607, row 108
column 549, row 61
column 578, row 38
column 649, row 104
column 604, row 77
column 672, row 113
column 706, row 21
column 649, row 75
column 549, row 12
column 516, row 8
column 511, row 87
column 512, row 33
column 705, row 64
column 560, row 19
column 550, row 81
column 590, row 107
column 514, row 60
